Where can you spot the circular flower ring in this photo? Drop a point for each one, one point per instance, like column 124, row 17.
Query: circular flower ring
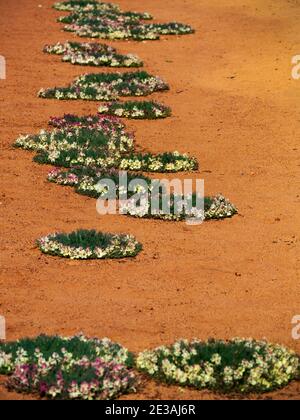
column 68, row 368
column 89, row 244
column 237, row 365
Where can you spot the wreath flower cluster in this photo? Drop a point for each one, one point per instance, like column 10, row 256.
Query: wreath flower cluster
column 238, row 365
column 91, row 54
column 86, row 181
column 98, row 142
column 89, row 244
column 95, row 16
column 116, row 30
column 136, row 110
column 85, row 5
column 94, row 20
column 68, row 368
column 216, row 207
column 107, row 86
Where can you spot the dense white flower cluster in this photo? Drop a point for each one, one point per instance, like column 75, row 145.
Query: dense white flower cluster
column 92, row 54
column 238, row 365
column 119, row 246
column 220, row 208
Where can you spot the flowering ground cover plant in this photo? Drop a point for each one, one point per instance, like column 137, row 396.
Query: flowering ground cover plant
column 84, row 380
column 87, row 181
column 107, row 86
column 136, row 110
column 105, row 123
column 95, row 146
column 72, row 143
column 94, row 21
column 52, row 350
column 89, row 244
column 68, row 368
column 100, row 15
column 110, row 29
column 92, row 54
column 237, row 365
column 82, row 5
column 98, row 157
column 217, row 207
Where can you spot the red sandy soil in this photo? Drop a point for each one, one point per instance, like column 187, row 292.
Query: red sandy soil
column 235, row 108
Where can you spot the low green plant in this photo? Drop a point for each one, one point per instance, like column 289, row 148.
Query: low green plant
column 91, row 54
column 107, row 86
column 89, row 244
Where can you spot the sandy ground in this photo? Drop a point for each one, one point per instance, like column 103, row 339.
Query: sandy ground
column 235, row 108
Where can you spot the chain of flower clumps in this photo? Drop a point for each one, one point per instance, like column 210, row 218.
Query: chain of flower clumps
column 238, row 365
column 107, row 86
column 92, row 54
column 106, row 246
column 136, row 110
column 68, row 368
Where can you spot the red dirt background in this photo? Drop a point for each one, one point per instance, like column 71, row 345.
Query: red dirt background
column 235, row 108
